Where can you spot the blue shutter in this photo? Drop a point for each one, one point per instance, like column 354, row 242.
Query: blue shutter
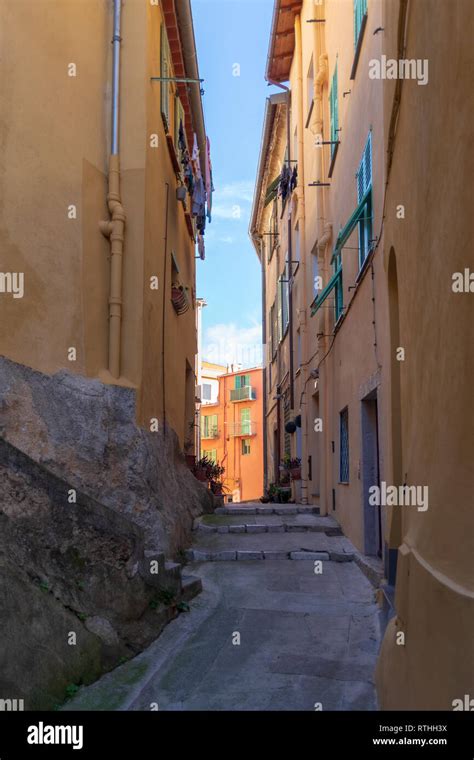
column 334, row 110
column 364, row 172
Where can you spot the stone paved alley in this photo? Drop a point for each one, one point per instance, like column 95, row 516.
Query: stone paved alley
column 305, row 637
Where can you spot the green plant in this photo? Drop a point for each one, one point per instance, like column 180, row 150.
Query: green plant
column 183, row 607
column 82, row 616
column 71, row 690
column 44, row 586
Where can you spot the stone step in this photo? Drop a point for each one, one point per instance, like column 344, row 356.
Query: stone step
column 191, row 586
column 268, row 528
column 229, row 555
column 274, row 509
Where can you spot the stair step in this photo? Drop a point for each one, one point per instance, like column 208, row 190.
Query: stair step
column 275, row 509
column 191, row 587
column 269, row 528
column 229, row 555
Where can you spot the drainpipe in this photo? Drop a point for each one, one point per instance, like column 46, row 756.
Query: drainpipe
column 114, row 228
column 300, row 190
column 257, row 241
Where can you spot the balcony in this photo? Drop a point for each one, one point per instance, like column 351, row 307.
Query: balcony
column 247, row 393
column 212, row 432
column 243, row 429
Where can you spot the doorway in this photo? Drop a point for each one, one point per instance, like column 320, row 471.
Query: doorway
column 371, row 474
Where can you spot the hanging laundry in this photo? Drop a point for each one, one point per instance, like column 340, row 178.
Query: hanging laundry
column 195, row 158
column 285, row 178
column 199, row 198
column 209, row 181
column 294, row 179
column 201, row 247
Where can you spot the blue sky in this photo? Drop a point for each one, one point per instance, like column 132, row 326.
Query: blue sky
column 230, row 32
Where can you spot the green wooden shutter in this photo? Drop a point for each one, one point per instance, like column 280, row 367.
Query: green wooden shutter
column 245, row 421
column 178, row 117
column 165, row 72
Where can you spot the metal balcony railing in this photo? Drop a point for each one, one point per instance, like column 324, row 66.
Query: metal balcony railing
column 247, row 393
column 212, row 432
column 243, row 429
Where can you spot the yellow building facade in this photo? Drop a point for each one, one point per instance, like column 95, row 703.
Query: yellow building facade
column 337, row 252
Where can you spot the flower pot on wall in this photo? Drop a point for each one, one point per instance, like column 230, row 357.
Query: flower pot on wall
column 295, row 473
column 179, row 299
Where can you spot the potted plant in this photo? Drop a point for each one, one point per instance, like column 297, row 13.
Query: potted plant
column 179, row 298
column 202, row 469
column 292, row 467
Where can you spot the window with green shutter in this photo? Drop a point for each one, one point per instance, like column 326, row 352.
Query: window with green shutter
column 209, row 426
column 364, row 188
column 245, row 422
column 334, row 111
column 165, row 72
column 360, row 10
column 242, row 381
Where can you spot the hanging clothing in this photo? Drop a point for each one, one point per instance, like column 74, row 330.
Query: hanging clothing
column 209, row 182
column 199, row 198
column 201, row 247
column 195, row 158
column 294, row 179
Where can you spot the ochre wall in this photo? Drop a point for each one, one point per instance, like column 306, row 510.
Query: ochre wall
column 430, row 173
column 55, row 145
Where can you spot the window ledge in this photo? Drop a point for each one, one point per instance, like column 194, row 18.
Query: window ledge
column 358, row 47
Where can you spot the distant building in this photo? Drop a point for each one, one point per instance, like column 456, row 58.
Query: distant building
column 231, row 428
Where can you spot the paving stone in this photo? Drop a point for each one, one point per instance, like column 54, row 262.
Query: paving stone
column 341, row 556
column 197, row 555
column 202, row 528
column 256, row 528
column 305, row 510
column 276, row 528
column 309, row 555
column 222, row 528
column 249, row 555
column 223, row 556
column 286, row 511
column 265, row 510
column 296, row 528
column 236, row 528
column 221, row 511
column 276, row 555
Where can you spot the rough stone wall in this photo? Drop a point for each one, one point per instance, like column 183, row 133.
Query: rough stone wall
column 76, row 593
column 85, row 433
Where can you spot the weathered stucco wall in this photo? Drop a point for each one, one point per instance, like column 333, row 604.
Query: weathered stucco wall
column 435, row 590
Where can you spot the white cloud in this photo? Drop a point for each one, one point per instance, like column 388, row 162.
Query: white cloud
column 230, row 344
column 232, row 200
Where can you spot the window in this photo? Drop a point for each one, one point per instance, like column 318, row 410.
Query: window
column 246, row 425
column 279, row 312
column 286, row 417
column 209, row 426
column 211, row 454
column 179, row 117
column 165, row 72
column 344, row 446
column 310, row 89
column 284, row 298
column 297, row 253
column 360, row 10
column 364, row 187
column 206, row 392
column 242, row 381
column 245, row 447
column 334, row 111
column 273, row 332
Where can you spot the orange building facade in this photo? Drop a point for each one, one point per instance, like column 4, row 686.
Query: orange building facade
column 232, row 433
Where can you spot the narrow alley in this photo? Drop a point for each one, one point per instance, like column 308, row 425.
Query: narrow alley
column 267, row 632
